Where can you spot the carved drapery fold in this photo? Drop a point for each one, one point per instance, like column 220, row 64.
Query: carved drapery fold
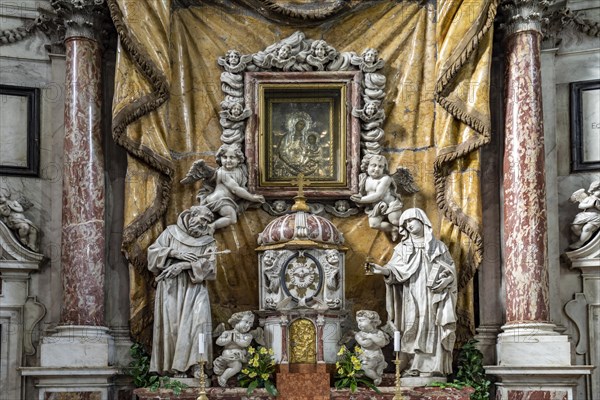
column 166, row 115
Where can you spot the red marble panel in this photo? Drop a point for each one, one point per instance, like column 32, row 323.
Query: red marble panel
column 304, row 385
column 525, row 222
column 537, row 395
column 83, row 187
column 73, row 396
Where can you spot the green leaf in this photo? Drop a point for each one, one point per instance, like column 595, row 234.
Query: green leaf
column 271, row 388
column 353, row 386
column 369, row 384
column 253, row 385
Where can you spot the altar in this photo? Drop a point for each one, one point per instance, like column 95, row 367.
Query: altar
column 304, row 392
column 317, row 137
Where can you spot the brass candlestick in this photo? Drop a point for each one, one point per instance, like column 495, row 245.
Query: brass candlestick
column 398, row 392
column 202, row 395
column 368, row 267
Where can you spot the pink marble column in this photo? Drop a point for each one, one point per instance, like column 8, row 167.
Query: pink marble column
column 525, row 226
column 83, row 187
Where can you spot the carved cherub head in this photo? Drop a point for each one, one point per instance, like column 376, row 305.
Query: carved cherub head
column 319, row 48
column 370, row 56
column 371, row 108
column 236, row 109
column 284, row 52
column 242, row 321
column 332, row 256
column 233, row 57
column 230, row 156
column 269, row 258
column 375, row 165
column 279, row 206
column 367, row 320
column 342, row 206
column 4, row 195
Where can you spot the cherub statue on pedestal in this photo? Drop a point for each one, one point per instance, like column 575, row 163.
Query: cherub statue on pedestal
column 371, row 340
column 235, row 341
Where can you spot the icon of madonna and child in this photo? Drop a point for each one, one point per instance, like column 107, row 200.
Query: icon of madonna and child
column 300, row 149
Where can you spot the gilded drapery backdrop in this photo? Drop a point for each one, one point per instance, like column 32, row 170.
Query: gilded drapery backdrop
column 165, row 113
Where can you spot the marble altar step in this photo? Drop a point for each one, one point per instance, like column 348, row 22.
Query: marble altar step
column 387, row 393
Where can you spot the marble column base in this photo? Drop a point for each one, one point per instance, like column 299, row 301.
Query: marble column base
column 534, row 361
column 75, row 346
column 76, row 363
column 72, row 383
column 532, row 344
column 547, row 383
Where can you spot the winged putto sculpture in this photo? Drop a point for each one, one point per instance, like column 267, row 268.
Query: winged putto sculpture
column 381, row 193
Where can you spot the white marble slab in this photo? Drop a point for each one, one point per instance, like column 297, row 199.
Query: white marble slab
column 13, row 130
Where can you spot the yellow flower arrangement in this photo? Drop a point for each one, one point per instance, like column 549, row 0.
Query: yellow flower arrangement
column 258, row 371
column 349, row 370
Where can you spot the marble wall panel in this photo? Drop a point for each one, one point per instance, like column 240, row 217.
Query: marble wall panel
column 576, row 59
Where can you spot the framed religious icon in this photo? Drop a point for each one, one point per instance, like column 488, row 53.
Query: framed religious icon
column 19, row 130
column 585, row 126
column 302, row 123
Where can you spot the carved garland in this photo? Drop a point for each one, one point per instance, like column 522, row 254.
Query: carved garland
column 298, row 54
column 317, row 12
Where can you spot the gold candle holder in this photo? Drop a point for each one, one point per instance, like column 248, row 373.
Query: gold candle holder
column 202, row 395
column 368, row 267
column 398, row 391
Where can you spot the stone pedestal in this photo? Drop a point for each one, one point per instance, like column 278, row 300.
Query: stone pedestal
column 19, row 311
column 584, row 309
column 303, row 381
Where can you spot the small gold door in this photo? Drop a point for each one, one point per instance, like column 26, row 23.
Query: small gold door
column 303, row 342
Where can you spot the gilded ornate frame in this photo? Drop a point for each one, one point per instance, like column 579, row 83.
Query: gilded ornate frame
column 342, row 91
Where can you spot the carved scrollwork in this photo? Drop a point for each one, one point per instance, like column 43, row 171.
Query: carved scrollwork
column 82, row 18
column 320, row 11
column 522, row 15
column 559, row 21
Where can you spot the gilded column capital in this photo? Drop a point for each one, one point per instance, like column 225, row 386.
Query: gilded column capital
column 522, row 15
column 82, row 18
